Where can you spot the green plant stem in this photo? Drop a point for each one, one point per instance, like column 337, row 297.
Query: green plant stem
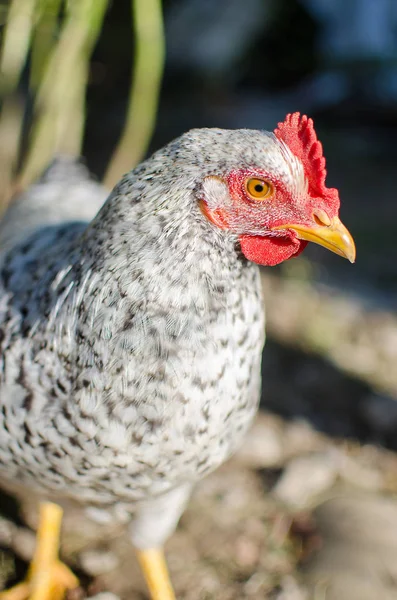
column 60, row 102
column 10, row 134
column 145, row 89
column 16, row 40
column 44, row 38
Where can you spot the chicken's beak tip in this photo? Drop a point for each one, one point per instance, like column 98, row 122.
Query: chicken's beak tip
column 335, row 237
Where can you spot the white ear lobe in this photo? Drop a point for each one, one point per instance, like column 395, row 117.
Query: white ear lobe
column 216, row 193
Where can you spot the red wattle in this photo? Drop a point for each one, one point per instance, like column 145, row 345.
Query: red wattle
column 270, row 251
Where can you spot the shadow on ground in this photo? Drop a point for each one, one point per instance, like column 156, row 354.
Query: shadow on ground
column 303, row 385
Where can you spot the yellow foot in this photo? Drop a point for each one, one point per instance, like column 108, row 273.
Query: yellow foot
column 155, row 571
column 48, row 578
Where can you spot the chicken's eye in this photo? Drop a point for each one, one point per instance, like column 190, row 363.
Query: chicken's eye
column 259, row 189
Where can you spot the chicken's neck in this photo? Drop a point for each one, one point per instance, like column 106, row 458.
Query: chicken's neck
column 151, row 244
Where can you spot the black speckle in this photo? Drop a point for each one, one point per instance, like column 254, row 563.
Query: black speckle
column 53, row 471
column 128, row 322
column 6, row 276
column 21, row 376
column 199, row 383
column 181, row 398
column 137, row 438
column 154, row 424
column 202, row 462
column 66, row 413
column 28, row 401
column 25, row 248
column 206, row 412
column 243, row 340
column 28, row 433
column 61, row 386
column 229, row 414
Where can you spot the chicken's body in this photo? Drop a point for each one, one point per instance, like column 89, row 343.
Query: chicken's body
column 131, row 344
column 131, row 351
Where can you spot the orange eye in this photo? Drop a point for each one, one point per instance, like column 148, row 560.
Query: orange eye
column 259, row 189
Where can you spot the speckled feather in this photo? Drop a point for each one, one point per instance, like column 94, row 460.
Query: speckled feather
column 131, row 344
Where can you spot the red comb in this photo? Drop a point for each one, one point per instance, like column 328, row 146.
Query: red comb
column 298, row 133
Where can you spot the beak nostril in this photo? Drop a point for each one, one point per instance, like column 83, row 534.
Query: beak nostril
column 321, row 218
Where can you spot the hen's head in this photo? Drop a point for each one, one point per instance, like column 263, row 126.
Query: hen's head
column 269, row 189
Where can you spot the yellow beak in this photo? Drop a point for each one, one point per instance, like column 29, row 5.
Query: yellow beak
column 334, row 237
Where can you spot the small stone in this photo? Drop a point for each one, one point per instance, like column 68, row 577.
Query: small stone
column 98, row 562
column 358, row 556
column 105, row 596
column 7, row 531
column 300, row 437
column 24, row 543
column 364, row 477
column 256, row 583
column 290, row 590
column 262, row 448
column 305, row 478
column 99, row 515
column 246, row 552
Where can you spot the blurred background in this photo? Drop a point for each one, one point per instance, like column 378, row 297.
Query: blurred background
column 323, row 447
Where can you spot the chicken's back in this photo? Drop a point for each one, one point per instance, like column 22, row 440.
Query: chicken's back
column 65, row 192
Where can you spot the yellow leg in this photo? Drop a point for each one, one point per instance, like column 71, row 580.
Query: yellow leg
column 155, row 571
column 18, row 592
column 48, row 578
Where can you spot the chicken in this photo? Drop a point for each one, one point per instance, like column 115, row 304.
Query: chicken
column 132, row 340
